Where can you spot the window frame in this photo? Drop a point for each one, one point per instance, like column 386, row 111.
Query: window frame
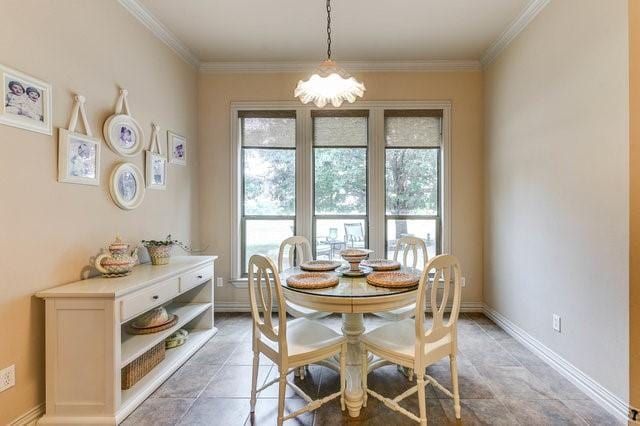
column 376, row 187
column 243, row 216
column 438, row 216
column 315, row 217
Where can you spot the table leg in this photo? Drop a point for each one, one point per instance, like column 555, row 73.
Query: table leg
column 353, row 328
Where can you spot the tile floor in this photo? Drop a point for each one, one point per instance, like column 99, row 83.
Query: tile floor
column 501, row 383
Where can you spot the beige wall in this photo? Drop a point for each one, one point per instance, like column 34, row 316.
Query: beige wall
column 556, row 185
column 50, row 230
column 464, row 89
column 634, row 200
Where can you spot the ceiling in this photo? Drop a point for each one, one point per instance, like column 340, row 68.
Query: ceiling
column 362, row 30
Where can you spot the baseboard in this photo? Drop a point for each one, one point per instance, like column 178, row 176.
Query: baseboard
column 584, row 382
column 244, row 307
column 30, row 417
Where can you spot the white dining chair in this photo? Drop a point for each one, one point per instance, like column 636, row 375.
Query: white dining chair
column 289, row 345
column 411, row 248
column 410, row 344
column 298, row 250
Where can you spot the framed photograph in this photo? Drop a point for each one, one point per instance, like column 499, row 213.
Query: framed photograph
column 126, row 186
column 26, row 102
column 156, row 168
column 78, row 158
column 123, row 134
column 177, row 148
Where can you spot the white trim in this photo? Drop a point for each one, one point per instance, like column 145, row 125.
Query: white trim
column 516, row 26
column 30, row 417
column 610, row 402
column 158, row 29
column 303, row 205
column 354, row 66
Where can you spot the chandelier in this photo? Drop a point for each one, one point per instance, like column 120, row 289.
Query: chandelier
column 329, row 82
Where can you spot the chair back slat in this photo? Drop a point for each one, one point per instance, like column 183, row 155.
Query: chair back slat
column 446, row 272
column 264, row 289
column 411, row 246
column 299, row 251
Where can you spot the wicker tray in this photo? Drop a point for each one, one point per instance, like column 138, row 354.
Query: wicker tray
column 312, row 280
column 173, row 319
column 394, row 279
column 320, row 265
column 381, row 264
column 139, row 367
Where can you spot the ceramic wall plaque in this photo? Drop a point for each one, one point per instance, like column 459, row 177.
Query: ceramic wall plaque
column 121, row 131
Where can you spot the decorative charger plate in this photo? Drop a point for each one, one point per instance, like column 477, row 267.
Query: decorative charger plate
column 312, row 280
column 381, row 264
column 320, row 265
column 393, row 279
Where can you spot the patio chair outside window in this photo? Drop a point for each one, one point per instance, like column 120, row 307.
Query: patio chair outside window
column 354, row 235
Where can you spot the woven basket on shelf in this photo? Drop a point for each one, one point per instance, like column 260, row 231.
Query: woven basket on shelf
column 139, row 367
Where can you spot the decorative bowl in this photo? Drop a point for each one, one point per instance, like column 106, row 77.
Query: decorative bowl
column 153, row 318
column 355, row 256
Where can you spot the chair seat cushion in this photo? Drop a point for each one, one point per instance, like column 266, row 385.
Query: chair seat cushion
column 400, row 338
column 305, row 336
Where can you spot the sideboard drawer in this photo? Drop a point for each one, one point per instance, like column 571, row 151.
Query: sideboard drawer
column 192, row 279
column 147, row 299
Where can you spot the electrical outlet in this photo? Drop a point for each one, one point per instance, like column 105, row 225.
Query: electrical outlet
column 219, row 282
column 556, row 322
column 463, row 283
column 7, row 377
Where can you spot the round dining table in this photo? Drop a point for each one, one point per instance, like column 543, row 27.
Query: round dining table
column 352, row 297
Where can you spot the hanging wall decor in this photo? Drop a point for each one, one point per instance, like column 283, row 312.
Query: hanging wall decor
column 126, row 186
column 121, row 131
column 177, row 148
column 26, row 101
column 78, row 153
column 156, row 164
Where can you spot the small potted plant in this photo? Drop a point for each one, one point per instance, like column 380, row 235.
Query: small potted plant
column 160, row 251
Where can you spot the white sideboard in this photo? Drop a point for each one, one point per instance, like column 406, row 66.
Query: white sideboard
column 87, row 344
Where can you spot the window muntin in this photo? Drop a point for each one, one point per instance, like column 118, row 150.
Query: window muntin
column 340, row 182
column 268, row 159
column 413, row 141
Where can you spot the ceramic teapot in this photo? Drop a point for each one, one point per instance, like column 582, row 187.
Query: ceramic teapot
column 118, row 262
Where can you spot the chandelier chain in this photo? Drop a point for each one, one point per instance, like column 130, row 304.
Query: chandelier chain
column 328, row 29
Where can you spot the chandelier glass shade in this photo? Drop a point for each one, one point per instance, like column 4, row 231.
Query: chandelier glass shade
column 329, row 83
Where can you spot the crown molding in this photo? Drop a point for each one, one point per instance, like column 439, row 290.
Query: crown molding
column 511, row 32
column 147, row 19
column 266, row 67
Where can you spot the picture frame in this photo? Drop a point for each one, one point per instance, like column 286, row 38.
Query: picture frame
column 121, row 131
column 78, row 153
column 177, row 146
column 155, row 162
column 26, row 101
column 126, row 186
column 78, row 158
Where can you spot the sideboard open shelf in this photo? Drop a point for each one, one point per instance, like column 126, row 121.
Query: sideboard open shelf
column 87, row 343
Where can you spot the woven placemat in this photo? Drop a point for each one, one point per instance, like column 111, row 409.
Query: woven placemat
column 393, row 279
column 173, row 319
column 381, row 264
column 312, row 280
column 320, row 265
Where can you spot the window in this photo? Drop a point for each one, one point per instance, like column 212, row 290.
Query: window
column 268, row 160
column 413, row 141
column 358, row 176
column 339, row 182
